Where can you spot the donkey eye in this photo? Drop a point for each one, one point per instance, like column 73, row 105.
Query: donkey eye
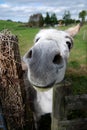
column 57, row 59
column 69, row 44
column 37, row 39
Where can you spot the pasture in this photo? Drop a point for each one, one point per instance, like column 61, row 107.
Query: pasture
column 77, row 64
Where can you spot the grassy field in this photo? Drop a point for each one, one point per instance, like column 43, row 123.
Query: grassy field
column 77, row 65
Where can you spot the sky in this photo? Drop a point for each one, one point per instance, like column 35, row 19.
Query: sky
column 21, row 10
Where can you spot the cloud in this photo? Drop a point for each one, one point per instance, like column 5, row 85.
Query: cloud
column 20, row 10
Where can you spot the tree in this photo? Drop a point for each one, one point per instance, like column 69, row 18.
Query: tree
column 47, row 19
column 82, row 15
column 67, row 17
column 53, row 19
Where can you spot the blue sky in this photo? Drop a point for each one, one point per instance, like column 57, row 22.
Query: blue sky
column 20, row 10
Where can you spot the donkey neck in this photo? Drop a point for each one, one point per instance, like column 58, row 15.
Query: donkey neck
column 44, row 100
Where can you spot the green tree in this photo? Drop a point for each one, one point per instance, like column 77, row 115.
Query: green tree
column 47, row 19
column 82, row 15
column 67, row 17
column 53, row 19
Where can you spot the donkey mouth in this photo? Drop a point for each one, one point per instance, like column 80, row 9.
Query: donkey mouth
column 44, row 88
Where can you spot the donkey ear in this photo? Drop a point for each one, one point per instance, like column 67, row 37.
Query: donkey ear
column 74, row 30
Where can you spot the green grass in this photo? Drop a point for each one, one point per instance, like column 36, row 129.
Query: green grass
column 8, row 25
column 77, row 64
column 26, row 37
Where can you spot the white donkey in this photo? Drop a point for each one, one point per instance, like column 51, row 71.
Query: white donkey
column 46, row 62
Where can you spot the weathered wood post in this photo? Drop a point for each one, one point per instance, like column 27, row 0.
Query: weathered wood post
column 12, row 88
column 59, row 113
column 69, row 111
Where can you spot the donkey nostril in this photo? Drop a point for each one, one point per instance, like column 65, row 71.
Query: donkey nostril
column 29, row 55
column 57, row 59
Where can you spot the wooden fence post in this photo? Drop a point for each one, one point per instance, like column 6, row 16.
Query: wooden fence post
column 15, row 106
column 69, row 111
column 59, row 104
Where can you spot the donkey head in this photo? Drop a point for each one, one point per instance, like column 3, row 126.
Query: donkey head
column 47, row 59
